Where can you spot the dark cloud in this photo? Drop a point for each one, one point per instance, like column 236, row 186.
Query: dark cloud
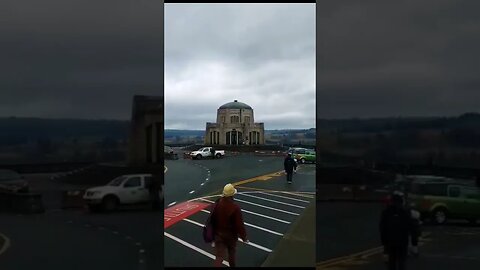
column 260, row 54
column 78, row 59
column 379, row 58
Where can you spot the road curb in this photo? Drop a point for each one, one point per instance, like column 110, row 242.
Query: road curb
column 285, row 252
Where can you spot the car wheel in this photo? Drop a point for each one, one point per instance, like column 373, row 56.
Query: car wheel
column 199, row 156
column 218, row 156
column 439, row 216
column 110, row 203
column 302, row 161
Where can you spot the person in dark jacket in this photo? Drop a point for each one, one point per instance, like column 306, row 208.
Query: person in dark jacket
column 228, row 227
column 212, row 152
column 395, row 230
column 154, row 189
column 289, row 165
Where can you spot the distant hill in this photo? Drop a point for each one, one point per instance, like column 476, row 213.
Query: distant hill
column 374, row 125
column 21, row 130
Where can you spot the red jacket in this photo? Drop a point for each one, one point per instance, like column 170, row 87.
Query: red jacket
column 228, row 220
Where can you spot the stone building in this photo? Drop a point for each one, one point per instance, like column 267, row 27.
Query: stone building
column 146, row 131
column 235, row 126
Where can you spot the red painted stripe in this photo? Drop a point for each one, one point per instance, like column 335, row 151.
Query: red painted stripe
column 180, row 211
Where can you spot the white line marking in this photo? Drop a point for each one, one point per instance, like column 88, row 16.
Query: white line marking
column 6, row 243
column 298, row 194
column 259, row 205
column 268, row 200
column 142, row 251
column 260, row 215
column 298, row 200
column 191, row 192
column 128, row 238
column 265, row 216
column 251, row 244
column 201, row 251
column 138, row 244
column 172, row 203
column 202, row 184
column 255, row 226
column 115, row 232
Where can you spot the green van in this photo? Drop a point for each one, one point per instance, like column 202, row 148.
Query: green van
column 443, row 200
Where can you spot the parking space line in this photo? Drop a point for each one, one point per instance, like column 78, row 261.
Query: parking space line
column 267, row 207
column 268, row 200
column 255, row 226
column 199, row 250
column 257, row 214
column 285, row 197
column 239, row 239
column 259, row 205
column 299, row 194
column 265, row 216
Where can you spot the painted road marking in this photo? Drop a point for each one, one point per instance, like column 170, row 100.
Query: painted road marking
column 250, row 243
column 285, row 197
column 191, row 192
column 360, row 255
column 253, row 213
column 6, row 243
column 176, row 213
column 199, row 250
column 172, row 204
column 202, row 184
column 296, row 193
column 268, row 200
column 267, row 207
column 254, row 226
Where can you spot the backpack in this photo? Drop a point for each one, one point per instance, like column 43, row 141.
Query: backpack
column 208, row 230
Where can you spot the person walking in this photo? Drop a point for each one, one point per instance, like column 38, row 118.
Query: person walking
column 228, row 226
column 212, row 152
column 154, row 189
column 395, row 230
column 289, row 165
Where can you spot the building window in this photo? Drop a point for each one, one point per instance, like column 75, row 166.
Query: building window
column 247, row 119
column 223, row 119
column 234, row 119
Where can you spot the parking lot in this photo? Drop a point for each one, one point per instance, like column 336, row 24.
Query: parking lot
column 270, row 209
column 267, row 216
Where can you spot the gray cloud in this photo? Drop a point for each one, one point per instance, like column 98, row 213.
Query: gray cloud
column 260, row 54
column 78, row 59
column 398, row 59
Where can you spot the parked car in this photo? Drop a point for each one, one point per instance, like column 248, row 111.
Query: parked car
column 443, row 200
column 123, row 190
column 308, row 156
column 205, row 152
column 11, row 181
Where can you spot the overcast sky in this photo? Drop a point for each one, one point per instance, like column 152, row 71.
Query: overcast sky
column 259, row 54
column 403, row 58
column 77, row 58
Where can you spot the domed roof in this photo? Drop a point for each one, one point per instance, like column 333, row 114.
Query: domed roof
column 235, row 105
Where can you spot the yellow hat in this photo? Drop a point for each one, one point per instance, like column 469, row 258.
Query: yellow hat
column 229, row 190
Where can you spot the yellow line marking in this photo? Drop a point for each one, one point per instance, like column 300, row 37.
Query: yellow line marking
column 360, row 255
column 6, row 244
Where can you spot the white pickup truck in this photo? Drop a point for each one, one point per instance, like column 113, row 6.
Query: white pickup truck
column 125, row 189
column 205, row 152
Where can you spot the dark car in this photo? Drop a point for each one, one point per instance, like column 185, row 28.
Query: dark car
column 11, row 181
